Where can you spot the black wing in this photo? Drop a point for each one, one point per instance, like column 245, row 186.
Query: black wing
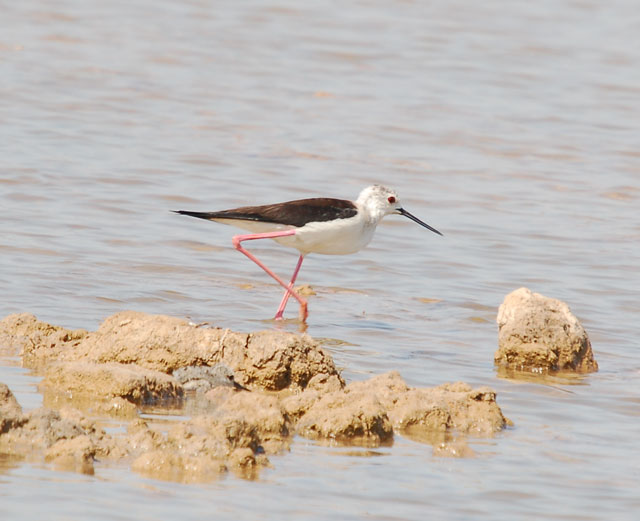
column 292, row 213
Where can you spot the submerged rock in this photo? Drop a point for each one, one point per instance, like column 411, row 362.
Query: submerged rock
column 65, row 438
column 203, row 448
column 235, row 438
column 540, row 334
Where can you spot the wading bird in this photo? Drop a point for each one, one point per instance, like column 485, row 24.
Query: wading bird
column 318, row 225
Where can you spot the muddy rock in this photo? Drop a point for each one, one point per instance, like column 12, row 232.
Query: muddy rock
column 386, row 387
column 325, row 383
column 421, row 415
column 111, row 380
column 367, row 413
column 279, row 360
column 266, row 416
column 350, row 418
column 74, row 454
column 457, row 448
column 156, row 342
column 170, row 466
column 473, row 411
column 203, row 448
column 65, row 438
column 141, row 439
column 22, row 332
column 10, row 411
column 237, row 436
column 95, row 405
column 105, row 445
column 270, row 360
column 540, row 334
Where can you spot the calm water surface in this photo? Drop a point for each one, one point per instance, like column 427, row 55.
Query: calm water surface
column 514, row 128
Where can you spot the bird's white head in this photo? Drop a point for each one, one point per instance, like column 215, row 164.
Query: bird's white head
column 378, row 201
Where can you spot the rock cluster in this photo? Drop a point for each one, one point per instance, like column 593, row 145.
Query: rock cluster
column 280, row 385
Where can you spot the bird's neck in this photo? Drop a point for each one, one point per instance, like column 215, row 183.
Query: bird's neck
column 372, row 212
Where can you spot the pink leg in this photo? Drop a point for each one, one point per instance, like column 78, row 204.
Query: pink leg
column 272, row 235
column 287, row 294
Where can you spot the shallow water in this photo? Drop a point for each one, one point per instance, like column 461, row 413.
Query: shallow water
column 512, row 128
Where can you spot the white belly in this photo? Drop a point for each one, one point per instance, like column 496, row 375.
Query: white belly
column 339, row 237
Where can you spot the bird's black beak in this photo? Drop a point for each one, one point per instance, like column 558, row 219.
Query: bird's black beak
column 402, row 211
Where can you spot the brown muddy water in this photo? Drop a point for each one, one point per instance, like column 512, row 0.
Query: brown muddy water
column 514, row 128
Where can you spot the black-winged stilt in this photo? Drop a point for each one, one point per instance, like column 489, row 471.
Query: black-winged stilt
column 318, row 225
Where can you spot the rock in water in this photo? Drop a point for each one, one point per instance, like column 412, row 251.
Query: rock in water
column 540, row 334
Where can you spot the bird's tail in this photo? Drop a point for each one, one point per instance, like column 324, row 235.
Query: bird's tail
column 200, row 215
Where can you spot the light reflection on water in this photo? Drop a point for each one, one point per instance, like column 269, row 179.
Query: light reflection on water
column 510, row 128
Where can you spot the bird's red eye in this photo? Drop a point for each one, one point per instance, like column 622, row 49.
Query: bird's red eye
column 391, row 199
